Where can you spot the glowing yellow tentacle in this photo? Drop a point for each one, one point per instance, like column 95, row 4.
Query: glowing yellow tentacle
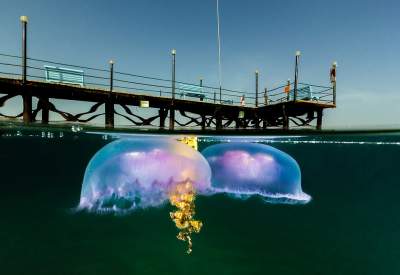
column 182, row 196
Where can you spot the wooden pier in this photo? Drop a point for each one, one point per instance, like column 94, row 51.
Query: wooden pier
column 200, row 114
column 174, row 105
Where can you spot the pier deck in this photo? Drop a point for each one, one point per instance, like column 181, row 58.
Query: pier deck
column 192, row 113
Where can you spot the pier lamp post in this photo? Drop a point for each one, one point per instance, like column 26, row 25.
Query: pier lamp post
column 333, row 81
column 27, row 110
column 257, row 73
column 173, row 52
column 172, row 110
column 296, row 75
column 24, row 21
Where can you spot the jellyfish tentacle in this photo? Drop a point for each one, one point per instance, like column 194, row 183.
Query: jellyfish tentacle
column 182, row 196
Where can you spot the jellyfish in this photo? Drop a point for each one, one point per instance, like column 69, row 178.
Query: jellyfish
column 137, row 173
column 247, row 169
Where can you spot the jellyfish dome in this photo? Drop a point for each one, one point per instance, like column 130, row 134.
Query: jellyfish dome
column 246, row 169
column 137, row 173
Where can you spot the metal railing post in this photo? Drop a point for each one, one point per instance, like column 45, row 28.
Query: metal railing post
column 201, row 85
column 203, row 117
column 257, row 88
column 220, row 95
column 111, row 75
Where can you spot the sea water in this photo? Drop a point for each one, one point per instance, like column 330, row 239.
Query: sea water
column 350, row 226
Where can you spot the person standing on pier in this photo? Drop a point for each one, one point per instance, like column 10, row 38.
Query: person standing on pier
column 333, row 73
column 242, row 101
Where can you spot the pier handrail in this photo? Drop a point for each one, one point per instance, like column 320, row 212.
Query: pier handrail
column 97, row 77
column 320, row 94
column 137, row 83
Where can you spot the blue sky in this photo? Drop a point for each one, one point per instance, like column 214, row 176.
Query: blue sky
column 363, row 37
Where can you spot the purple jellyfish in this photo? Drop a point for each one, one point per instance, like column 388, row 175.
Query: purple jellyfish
column 245, row 169
column 139, row 172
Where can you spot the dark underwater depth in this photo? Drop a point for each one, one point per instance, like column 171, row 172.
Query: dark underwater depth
column 351, row 225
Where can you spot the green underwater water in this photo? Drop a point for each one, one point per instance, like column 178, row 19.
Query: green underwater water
column 351, row 226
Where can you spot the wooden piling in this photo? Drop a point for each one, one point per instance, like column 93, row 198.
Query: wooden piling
column 45, row 109
column 319, row 119
column 163, row 113
column 285, row 117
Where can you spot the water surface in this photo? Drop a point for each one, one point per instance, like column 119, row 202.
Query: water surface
column 351, row 226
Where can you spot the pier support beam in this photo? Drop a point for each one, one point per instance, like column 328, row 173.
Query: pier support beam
column 256, row 122
column 264, row 123
column 109, row 110
column 27, row 109
column 237, row 123
column 319, row 119
column 203, row 122
column 163, row 115
column 285, row 118
column 44, row 102
column 218, row 120
column 172, row 118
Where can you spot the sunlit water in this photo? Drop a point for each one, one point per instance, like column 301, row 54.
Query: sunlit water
column 349, row 227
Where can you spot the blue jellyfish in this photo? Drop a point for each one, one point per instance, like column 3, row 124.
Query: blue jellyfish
column 139, row 172
column 245, row 169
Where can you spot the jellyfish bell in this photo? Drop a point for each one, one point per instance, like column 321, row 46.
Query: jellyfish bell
column 134, row 173
column 247, row 169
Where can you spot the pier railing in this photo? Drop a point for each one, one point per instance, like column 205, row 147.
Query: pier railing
column 303, row 92
column 117, row 81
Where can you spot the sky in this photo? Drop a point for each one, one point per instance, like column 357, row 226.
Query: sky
column 362, row 36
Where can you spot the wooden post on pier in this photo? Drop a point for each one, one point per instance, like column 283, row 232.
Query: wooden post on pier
column 319, row 119
column 220, row 94
column 202, row 115
column 203, row 121
column 256, row 88
column 201, row 85
column 218, row 119
column 285, row 118
column 265, row 96
column 45, row 109
column 264, row 125
column 109, row 104
column 172, row 108
column 26, row 97
column 163, row 113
